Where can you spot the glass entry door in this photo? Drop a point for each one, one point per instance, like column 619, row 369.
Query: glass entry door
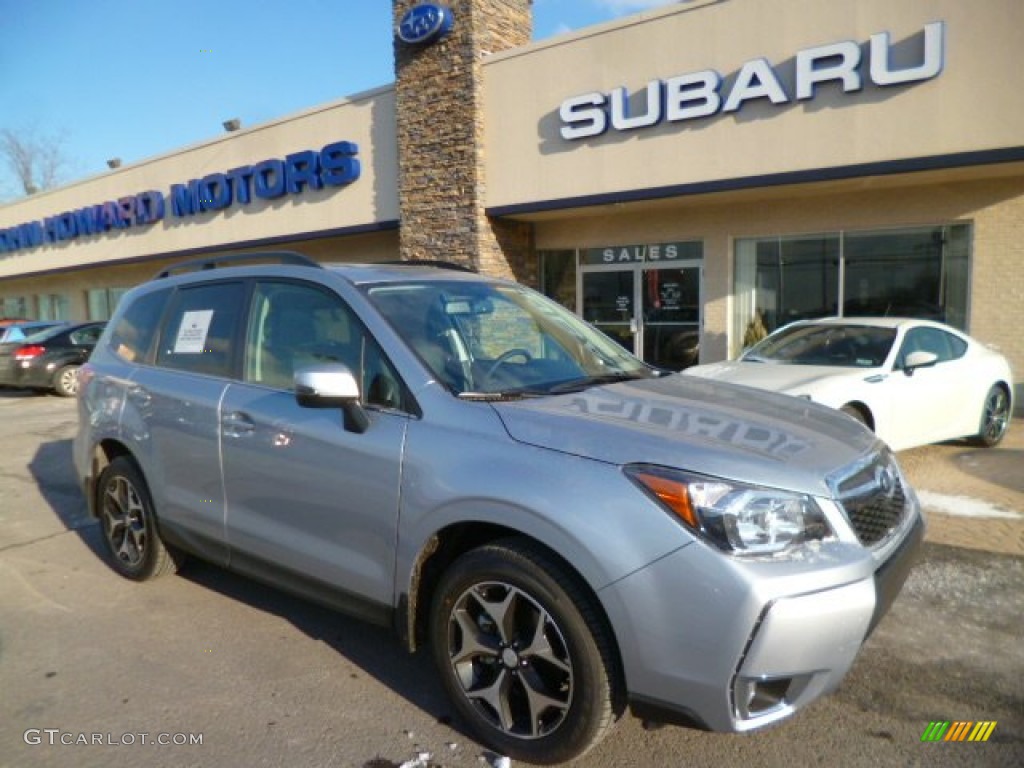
column 654, row 311
column 609, row 300
column 670, row 303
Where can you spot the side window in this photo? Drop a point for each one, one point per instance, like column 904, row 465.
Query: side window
column 132, row 337
column 957, row 346
column 933, row 340
column 294, row 325
column 202, row 324
column 87, row 335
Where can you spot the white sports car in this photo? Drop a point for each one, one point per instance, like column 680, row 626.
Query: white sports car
column 912, row 381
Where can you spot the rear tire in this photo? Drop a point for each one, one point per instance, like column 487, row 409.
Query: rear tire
column 65, row 381
column 129, row 523
column 995, row 417
column 524, row 654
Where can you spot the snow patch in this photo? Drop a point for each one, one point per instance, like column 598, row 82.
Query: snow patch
column 963, row 506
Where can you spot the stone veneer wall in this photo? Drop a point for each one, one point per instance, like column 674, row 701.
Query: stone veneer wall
column 441, row 142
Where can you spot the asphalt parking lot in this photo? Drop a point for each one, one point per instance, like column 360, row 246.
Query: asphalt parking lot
column 264, row 680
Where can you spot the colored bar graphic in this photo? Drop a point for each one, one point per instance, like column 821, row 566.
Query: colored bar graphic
column 958, row 730
column 982, row 730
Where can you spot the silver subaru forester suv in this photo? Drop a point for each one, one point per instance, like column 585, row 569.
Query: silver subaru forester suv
column 570, row 531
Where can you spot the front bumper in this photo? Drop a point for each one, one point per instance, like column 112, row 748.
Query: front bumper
column 727, row 645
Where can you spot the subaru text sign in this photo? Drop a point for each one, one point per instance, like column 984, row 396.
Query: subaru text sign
column 425, row 23
column 701, row 94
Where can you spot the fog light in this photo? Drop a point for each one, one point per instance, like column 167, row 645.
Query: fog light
column 759, row 697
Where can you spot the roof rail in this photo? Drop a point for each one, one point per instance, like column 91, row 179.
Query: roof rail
column 439, row 263
column 212, row 262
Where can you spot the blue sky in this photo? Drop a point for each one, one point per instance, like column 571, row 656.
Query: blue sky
column 113, row 78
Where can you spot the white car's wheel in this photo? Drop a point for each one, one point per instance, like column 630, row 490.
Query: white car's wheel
column 995, row 417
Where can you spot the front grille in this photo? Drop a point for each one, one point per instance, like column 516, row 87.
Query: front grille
column 873, row 498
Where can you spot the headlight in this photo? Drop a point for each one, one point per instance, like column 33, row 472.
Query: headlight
column 740, row 519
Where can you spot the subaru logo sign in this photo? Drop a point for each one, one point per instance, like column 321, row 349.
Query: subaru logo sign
column 425, row 23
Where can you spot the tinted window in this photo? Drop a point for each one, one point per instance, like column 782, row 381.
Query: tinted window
column 852, row 346
column 24, row 330
column 944, row 346
column 132, row 338
column 200, row 328
column 294, row 325
column 87, row 336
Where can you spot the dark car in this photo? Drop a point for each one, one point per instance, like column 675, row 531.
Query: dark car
column 49, row 359
column 18, row 330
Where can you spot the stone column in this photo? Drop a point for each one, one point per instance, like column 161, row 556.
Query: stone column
column 441, row 141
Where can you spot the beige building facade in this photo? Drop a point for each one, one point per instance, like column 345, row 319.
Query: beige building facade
column 673, row 177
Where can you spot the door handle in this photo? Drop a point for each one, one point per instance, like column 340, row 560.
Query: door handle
column 237, row 424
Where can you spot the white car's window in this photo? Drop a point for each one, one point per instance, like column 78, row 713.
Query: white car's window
column 945, row 346
column 847, row 346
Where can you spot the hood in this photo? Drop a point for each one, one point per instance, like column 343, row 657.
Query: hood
column 701, row 426
column 777, row 377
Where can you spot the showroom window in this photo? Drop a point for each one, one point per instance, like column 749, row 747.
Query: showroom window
column 103, row 301
column 14, row 307
column 920, row 272
column 558, row 277
column 53, row 306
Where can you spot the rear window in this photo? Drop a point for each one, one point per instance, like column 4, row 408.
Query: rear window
column 26, row 331
column 132, row 337
column 42, row 332
column 201, row 327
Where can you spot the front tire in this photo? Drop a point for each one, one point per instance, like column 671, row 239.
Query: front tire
column 524, row 654
column 129, row 523
column 995, row 417
column 856, row 413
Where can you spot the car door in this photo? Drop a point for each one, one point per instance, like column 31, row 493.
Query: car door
column 926, row 401
column 172, row 412
column 312, row 506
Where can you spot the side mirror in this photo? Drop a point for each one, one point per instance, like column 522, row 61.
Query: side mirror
column 332, row 385
column 918, row 359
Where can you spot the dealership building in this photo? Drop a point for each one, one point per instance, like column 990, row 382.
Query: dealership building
column 670, row 176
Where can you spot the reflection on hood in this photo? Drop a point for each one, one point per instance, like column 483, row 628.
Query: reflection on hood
column 697, row 425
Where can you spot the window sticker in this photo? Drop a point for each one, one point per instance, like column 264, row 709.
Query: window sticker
column 195, row 325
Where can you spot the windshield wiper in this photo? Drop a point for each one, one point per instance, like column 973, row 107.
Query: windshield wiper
column 578, row 385
column 501, row 394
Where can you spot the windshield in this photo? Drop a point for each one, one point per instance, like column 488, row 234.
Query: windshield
column 847, row 346
column 483, row 338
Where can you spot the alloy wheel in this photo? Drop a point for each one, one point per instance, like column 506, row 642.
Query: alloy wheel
column 124, row 522
column 997, row 414
column 68, row 381
column 511, row 660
